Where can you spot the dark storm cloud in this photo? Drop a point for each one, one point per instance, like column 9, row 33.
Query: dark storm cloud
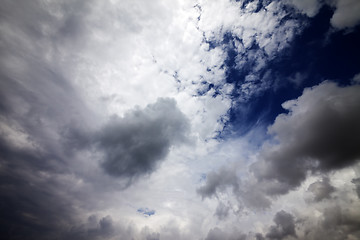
column 320, row 133
column 321, row 189
column 36, row 96
column 37, row 102
column 34, row 204
column 135, row 144
column 285, row 226
column 35, row 190
column 44, row 123
column 37, row 176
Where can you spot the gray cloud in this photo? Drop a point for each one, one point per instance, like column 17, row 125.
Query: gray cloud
column 336, row 223
column 37, row 102
column 219, row 181
column 285, row 226
column 44, row 125
column 321, row 189
column 222, row 211
column 34, row 203
column 94, row 229
column 153, row 236
column 346, row 14
column 259, row 236
column 135, row 144
column 218, row 234
column 356, row 181
column 320, row 133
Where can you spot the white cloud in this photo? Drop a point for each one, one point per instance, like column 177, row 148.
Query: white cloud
column 308, row 7
column 346, row 14
column 248, row 27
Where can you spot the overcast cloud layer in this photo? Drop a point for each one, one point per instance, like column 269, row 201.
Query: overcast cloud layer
column 175, row 120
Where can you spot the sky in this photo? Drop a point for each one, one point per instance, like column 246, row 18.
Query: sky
column 181, row 119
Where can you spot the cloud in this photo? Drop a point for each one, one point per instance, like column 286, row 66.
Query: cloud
column 222, row 211
column 259, row 236
column 38, row 191
column 346, row 14
column 321, row 189
column 252, row 34
column 335, row 222
column 93, row 229
column 60, row 62
column 308, row 7
column 319, row 134
column 218, row 234
column 135, row 144
column 37, row 199
column 67, row 67
column 218, row 181
column 345, row 11
column 285, row 226
column 356, row 181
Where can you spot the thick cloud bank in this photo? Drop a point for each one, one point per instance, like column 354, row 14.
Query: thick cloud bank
column 320, row 133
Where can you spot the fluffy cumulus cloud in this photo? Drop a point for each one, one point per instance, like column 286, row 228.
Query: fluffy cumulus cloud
column 116, row 123
column 320, row 133
column 345, row 13
column 310, row 138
